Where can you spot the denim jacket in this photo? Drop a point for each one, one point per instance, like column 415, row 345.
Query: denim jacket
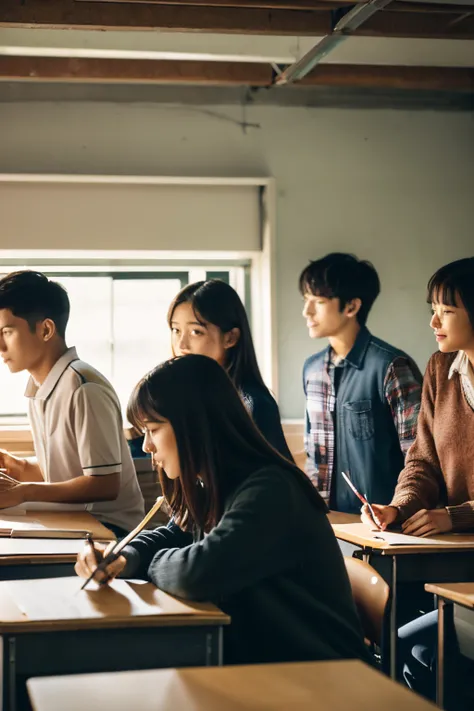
column 367, row 444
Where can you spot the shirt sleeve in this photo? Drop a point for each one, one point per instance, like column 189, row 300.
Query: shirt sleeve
column 421, row 481
column 462, row 516
column 146, row 545
column 403, row 393
column 97, row 427
column 248, row 545
column 310, row 466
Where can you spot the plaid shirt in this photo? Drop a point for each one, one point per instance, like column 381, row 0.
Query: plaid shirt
column 402, row 391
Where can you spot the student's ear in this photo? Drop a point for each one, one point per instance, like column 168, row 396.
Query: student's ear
column 231, row 338
column 46, row 329
column 352, row 307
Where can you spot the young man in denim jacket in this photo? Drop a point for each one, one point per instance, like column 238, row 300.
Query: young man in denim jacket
column 362, row 394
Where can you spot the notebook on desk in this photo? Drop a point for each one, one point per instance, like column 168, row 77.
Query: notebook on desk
column 32, row 547
column 10, row 527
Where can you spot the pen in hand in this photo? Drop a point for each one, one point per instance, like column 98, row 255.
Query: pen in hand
column 98, row 557
column 361, row 498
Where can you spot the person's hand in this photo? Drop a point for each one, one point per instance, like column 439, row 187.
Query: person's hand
column 427, row 523
column 88, row 560
column 384, row 515
column 14, row 466
column 11, row 494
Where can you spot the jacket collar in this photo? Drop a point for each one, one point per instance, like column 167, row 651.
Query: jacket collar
column 356, row 355
column 43, row 391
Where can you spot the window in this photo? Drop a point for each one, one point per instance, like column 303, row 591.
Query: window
column 117, row 323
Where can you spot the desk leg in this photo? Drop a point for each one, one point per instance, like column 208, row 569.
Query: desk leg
column 444, row 681
column 393, row 621
column 215, row 647
column 9, row 676
column 220, row 646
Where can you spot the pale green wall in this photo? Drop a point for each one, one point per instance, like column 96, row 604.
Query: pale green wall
column 392, row 186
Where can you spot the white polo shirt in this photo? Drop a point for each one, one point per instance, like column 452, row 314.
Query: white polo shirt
column 78, row 430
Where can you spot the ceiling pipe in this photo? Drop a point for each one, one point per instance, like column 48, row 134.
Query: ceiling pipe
column 343, row 29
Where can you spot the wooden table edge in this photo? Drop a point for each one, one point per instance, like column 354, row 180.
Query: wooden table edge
column 198, row 619
column 453, row 596
column 384, row 548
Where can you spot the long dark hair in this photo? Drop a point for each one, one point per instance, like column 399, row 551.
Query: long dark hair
column 218, row 443
column 218, row 303
column 453, row 280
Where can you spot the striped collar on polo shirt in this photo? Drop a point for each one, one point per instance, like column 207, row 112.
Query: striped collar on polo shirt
column 43, row 391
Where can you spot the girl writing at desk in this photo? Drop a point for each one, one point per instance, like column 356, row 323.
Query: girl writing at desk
column 249, row 531
column 435, row 490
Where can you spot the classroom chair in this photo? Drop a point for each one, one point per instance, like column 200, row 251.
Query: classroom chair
column 371, row 596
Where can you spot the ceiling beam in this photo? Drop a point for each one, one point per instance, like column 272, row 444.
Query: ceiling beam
column 403, row 19
column 384, row 77
column 248, row 4
column 59, row 69
column 417, row 24
column 133, row 71
column 69, row 14
column 400, row 5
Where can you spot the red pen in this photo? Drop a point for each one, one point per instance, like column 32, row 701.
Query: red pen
column 360, row 497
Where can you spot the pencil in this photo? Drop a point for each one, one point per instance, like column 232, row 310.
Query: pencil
column 115, row 551
column 90, row 541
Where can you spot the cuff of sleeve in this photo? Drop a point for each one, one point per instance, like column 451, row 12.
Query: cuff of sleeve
column 405, row 509
column 462, row 516
column 133, row 562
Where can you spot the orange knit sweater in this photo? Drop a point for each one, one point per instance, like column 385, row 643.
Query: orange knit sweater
column 439, row 468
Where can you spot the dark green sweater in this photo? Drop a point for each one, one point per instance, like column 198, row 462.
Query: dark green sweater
column 272, row 563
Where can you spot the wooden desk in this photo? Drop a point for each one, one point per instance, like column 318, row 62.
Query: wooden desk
column 312, row 686
column 455, row 631
column 42, row 557
column 448, row 559
column 49, row 627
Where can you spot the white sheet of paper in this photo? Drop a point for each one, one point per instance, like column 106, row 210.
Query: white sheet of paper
column 400, row 539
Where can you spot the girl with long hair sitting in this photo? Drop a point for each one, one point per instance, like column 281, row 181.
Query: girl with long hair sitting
column 249, row 532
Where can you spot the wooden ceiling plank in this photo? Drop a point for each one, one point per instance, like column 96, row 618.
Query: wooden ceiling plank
column 416, row 25
column 426, row 78
column 395, row 6
column 247, row 4
column 68, row 14
column 61, row 69
column 133, row 71
column 71, row 14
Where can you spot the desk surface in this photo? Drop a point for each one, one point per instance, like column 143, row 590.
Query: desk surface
column 462, row 593
column 58, row 604
column 340, row 517
column 17, row 551
column 361, row 534
column 312, row 686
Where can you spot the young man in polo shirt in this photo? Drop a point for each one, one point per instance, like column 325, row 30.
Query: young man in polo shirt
column 362, row 394
column 74, row 412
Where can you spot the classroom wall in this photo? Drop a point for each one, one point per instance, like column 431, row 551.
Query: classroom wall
column 391, row 186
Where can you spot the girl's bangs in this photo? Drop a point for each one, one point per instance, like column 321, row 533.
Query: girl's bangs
column 441, row 291
column 141, row 408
